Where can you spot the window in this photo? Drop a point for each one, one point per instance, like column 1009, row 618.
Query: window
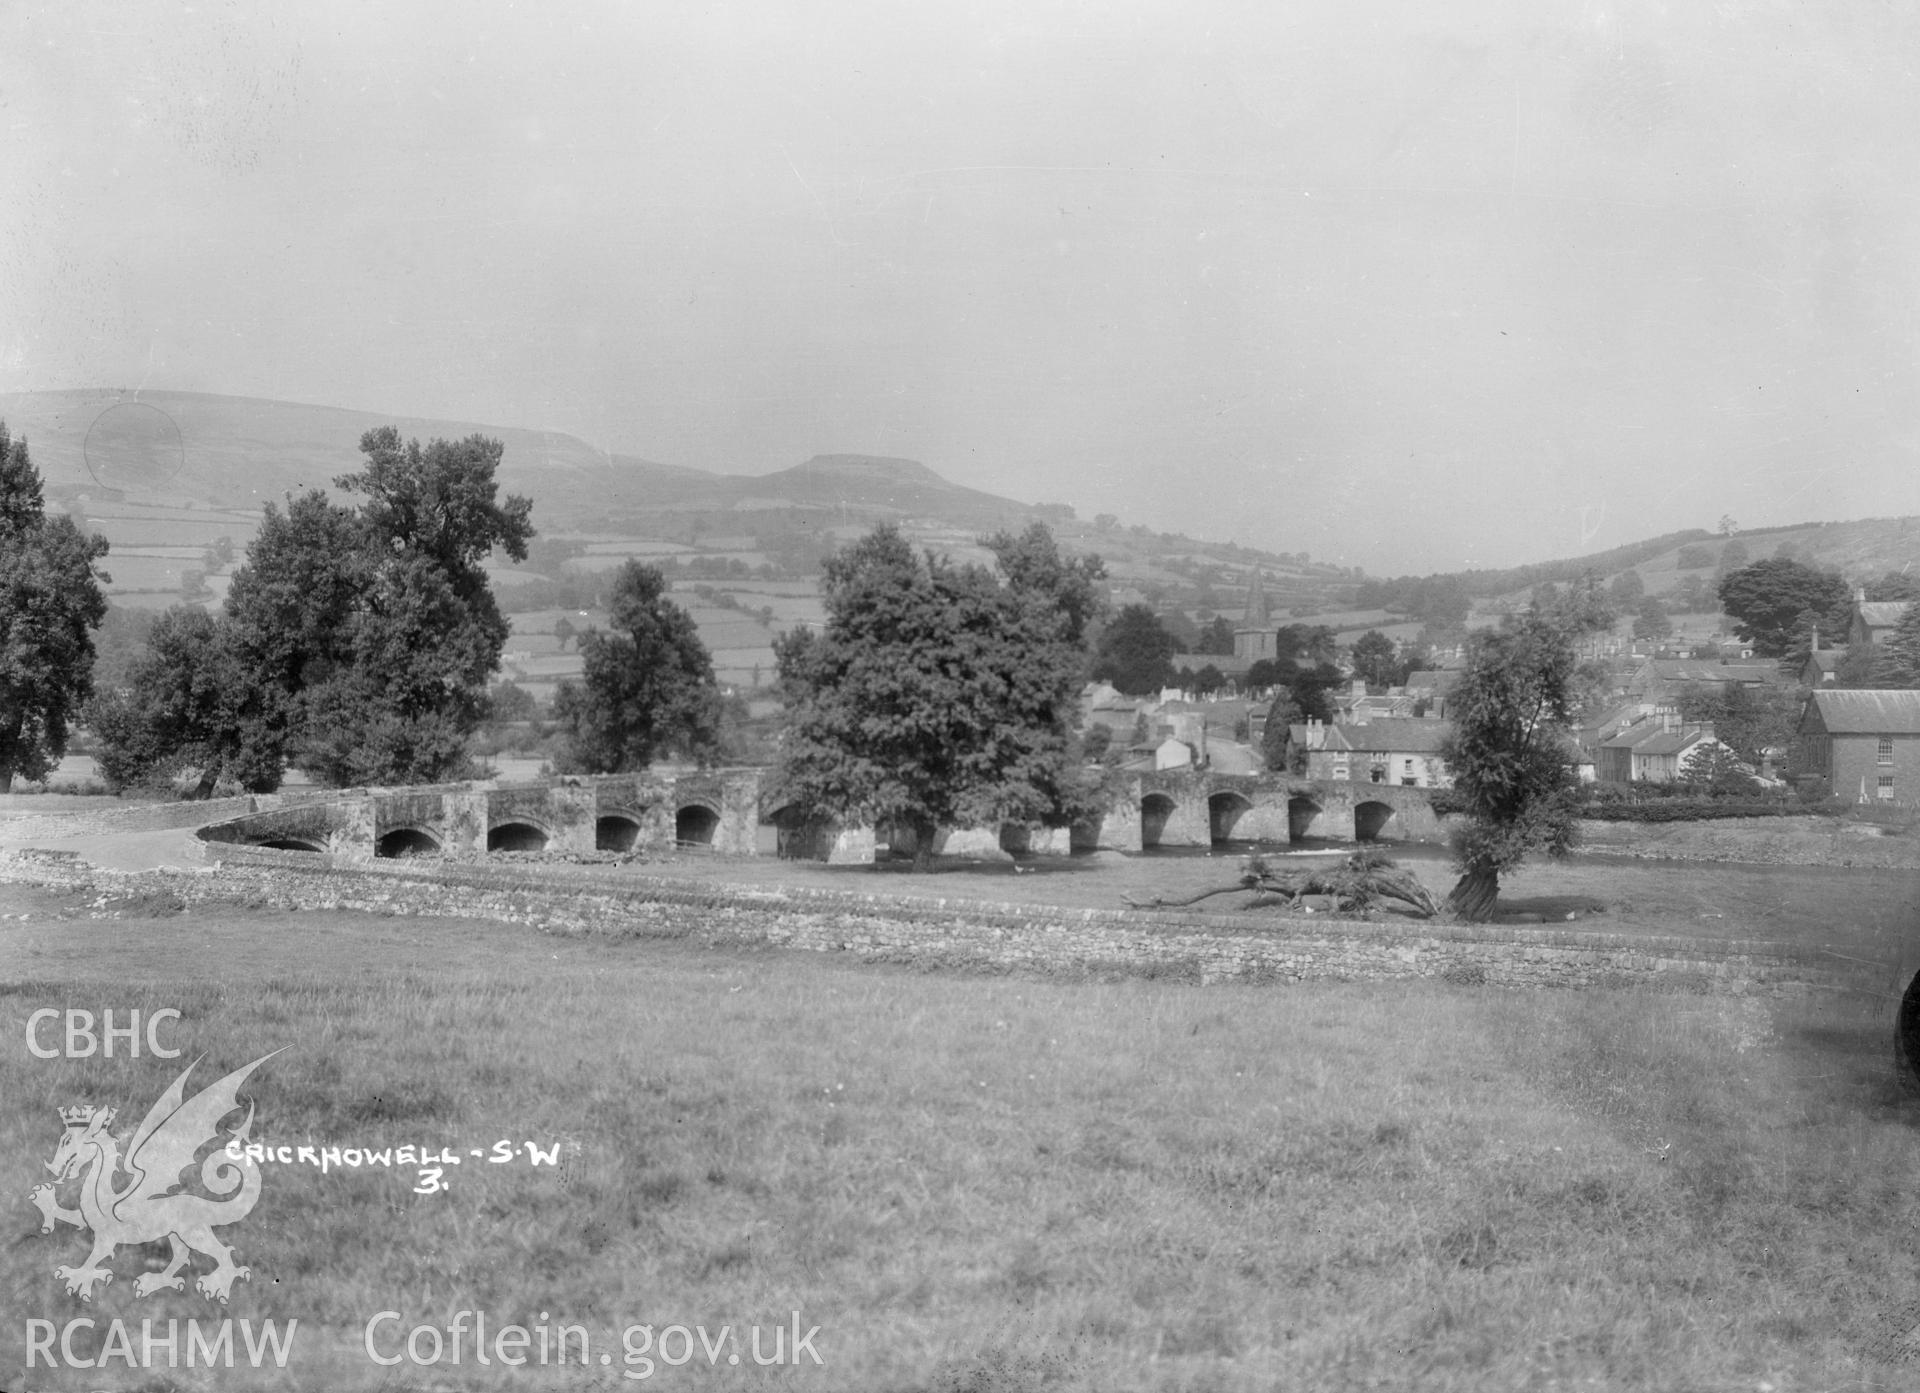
column 1885, row 791
column 1886, row 750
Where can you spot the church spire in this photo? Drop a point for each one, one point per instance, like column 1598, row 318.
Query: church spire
column 1257, row 615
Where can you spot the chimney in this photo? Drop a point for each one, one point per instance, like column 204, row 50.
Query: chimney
column 1859, row 594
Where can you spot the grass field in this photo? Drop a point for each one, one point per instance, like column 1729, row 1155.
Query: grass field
column 974, row 1183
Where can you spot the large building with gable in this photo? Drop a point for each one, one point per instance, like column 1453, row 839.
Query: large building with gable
column 1865, row 743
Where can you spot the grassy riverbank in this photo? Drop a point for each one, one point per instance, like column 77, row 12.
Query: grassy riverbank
column 983, row 1183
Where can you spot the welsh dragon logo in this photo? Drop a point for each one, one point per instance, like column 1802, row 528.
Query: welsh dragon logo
column 153, row 1203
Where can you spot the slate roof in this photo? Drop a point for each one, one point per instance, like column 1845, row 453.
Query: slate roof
column 1432, row 679
column 1666, row 742
column 1868, row 713
column 1395, row 735
column 1697, row 670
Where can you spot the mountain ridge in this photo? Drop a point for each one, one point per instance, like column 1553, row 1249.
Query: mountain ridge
column 238, row 452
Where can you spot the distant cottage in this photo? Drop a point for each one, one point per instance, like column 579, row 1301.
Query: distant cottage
column 1874, row 620
column 1653, row 751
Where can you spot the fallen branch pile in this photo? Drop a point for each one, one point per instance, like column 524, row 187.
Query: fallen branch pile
column 1361, row 882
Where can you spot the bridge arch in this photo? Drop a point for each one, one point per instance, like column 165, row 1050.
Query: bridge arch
column 1155, row 809
column 1370, row 819
column 797, row 835
column 1906, row 1035
column 290, row 844
column 695, row 822
column 407, row 841
column 616, row 831
column 1303, row 817
column 519, row 834
column 1224, row 810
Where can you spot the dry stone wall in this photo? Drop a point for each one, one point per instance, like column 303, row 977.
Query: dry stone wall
column 1193, row 947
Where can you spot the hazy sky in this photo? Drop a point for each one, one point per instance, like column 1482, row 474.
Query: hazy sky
column 1407, row 286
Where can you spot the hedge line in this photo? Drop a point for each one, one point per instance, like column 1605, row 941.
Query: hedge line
column 1691, row 810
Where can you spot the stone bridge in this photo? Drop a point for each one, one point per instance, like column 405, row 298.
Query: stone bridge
column 608, row 812
column 725, row 811
column 1195, row 807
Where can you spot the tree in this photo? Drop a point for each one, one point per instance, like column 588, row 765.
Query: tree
column 1718, row 769
column 1893, row 586
column 1732, row 557
column 180, row 711
column 938, row 694
column 357, row 641
column 1693, row 558
column 1511, row 761
column 1440, row 600
column 1206, row 681
column 50, row 603
column 1651, row 620
column 563, row 632
column 648, row 687
column 119, row 642
column 1312, row 687
column 1775, row 604
column 1133, row 652
column 1627, row 589
column 425, row 632
column 1691, row 596
column 1276, row 741
column 1896, row 663
column 1217, row 637
column 1582, row 608
column 1033, row 564
column 1305, row 643
column 1373, row 659
column 1863, row 665
column 1750, row 721
column 289, row 614
column 1182, row 630
column 508, row 701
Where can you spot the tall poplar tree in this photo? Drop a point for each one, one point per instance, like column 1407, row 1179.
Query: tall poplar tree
column 648, row 687
column 51, row 601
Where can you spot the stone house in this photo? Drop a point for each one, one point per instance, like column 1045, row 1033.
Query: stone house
column 1386, row 750
column 1654, row 750
column 1873, row 620
column 1822, row 667
column 1866, row 744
